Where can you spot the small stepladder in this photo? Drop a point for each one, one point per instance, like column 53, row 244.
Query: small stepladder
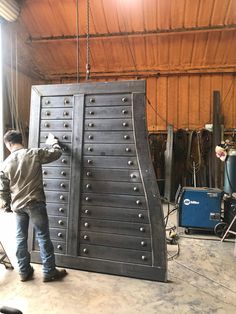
column 4, row 259
column 229, row 231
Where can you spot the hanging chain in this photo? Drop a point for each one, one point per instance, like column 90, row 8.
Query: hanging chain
column 88, row 67
column 77, row 40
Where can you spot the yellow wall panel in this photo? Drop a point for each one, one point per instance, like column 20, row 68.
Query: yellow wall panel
column 186, row 101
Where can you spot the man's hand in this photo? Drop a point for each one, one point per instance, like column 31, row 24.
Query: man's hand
column 6, row 209
column 51, row 140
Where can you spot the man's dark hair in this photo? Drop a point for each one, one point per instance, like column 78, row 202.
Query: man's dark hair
column 13, row 136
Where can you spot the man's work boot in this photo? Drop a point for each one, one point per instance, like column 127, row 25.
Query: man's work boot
column 27, row 276
column 54, row 275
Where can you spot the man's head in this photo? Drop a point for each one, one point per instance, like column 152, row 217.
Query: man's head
column 12, row 138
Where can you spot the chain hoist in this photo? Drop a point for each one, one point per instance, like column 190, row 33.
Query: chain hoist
column 88, row 66
column 77, row 40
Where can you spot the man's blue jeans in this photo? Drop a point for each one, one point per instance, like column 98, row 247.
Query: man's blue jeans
column 37, row 214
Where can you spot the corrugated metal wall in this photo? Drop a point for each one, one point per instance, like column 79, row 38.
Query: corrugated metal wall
column 186, row 101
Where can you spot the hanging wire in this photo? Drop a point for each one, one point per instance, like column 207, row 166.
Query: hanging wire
column 88, row 66
column 77, row 40
column 11, row 84
column 16, row 79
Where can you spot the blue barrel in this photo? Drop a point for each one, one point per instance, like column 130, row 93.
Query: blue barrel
column 230, row 172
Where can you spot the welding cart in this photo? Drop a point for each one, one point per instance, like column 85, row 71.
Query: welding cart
column 200, row 209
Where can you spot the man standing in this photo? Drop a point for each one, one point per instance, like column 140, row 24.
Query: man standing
column 21, row 190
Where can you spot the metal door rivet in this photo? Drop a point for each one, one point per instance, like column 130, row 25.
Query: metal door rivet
column 126, row 137
column 124, row 111
column 130, row 163
column 132, row 176
column 144, row 258
column 87, row 199
column 85, row 251
column 140, row 215
column 44, row 172
column 90, row 137
column 128, row 149
column 62, row 185
column 44, row 184
column 91, row 112
column 88, row 174
column 90, row 149
column 86, row 211
column 48, row 113
column 85, row 237
column 47, row 102
column 46, row 136
column 60, row 222
column 138, row 202
column 88, row 186
column 141, row 229
column 47, row 125
column 65, row 137
column 90, row 161
column 91, row 125
column 65, row 113
column 63, row 161
column 86, row 224
column 66, row 125
column 63, row 173
column 59, row 247
column 125, row 124
column 59, row 234
column 61, row 210
column 91, row 100
column 143, row 243
column 135, row 188
column 124, row 99
column 66, row 101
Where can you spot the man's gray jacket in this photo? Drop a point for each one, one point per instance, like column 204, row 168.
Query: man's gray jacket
column 21, row 181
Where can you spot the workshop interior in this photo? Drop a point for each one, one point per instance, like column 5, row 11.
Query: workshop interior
column 141, row 96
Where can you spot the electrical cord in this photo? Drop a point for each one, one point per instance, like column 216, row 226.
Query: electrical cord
column 172, row 239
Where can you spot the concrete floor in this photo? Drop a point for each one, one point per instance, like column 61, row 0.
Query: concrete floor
column 201, row 280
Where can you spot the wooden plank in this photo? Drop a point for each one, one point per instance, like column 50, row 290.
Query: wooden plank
column 109, row 267
column 116, row 240
column 148, row 177
column 116, row 254
column 85, row 88
column 112, row 162
column 121, row 175
column 115, row 227
column 75, row 178
column 115, row 213
column 109, row 150
column 108, row 137
column 112, row 187
column 115, row 200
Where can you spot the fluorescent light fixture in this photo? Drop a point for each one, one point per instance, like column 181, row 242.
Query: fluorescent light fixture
column 9, row 10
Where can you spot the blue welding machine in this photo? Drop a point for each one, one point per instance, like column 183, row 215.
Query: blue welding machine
column 199, row 208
